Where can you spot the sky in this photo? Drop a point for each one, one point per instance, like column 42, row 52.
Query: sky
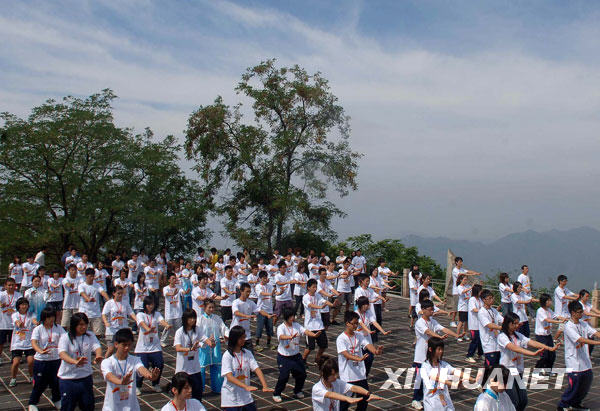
column 476, row 118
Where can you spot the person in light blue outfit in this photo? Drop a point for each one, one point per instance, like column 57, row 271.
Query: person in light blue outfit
column 37, row 296
column 212, row 326
column 186, row 286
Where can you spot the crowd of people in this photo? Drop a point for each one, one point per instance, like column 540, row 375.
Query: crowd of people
column 55, row 320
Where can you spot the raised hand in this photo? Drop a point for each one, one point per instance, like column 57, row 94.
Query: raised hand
column 98, row 360
column 155, row 373
column 126, row 378
column 374, row 397
column 81, row 361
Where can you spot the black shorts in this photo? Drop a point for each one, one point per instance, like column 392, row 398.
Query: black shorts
column 321, row 341
column 463, row 316
column 22, row 353
column 413, row 312
column 226, row 313
column 56, row 305
column 326, row 318
column 5, row 336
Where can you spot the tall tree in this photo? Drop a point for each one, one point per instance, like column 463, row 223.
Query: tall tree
column 69, row 175
column 273, row 173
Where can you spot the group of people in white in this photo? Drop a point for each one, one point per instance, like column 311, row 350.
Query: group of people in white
column 55, row 322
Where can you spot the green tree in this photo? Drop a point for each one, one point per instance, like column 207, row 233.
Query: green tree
column 69, row 175
column 273, row 173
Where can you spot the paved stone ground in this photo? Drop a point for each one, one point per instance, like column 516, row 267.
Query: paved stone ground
column 398, row 352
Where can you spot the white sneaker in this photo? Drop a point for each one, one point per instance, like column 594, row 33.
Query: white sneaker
column 32, row 408
column 471, row 360
column 13, row 382
column 299, row 395
column 459, row 339
column 57, row 405
column 157, row 388
column 453, row 324
column 277, row 398
column 416, row 405
column 164, row 345
column 138, row 392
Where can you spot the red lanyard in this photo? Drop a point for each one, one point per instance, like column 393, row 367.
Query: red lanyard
column 49, row 335
column 354, row 344
column 177, row 409
column 363, row 318
column 149, row 318
column 10, row 301
column 119, row 309
column 240, row 361
column 288, row 330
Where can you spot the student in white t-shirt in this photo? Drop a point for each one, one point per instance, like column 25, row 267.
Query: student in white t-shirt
column 89, row 301
column 367, row 326
column 236, row 367
column 30, row 268
column 513, row 346
column 351, row 347
column 123, row 281
column 562, row 297
column 148, row 345
column 413, row 289
column 506, row 289
column 578, row 336
column 330, row 392
column 75, row 350
column 458, row 269
column 463, row 290
column 494, row 396
column 490, row 322
column 20, row 346
column 283, row 290
column 525, row 281
column 245, row 310
column 119, row 372
column 201, row 293
column 289, row 359
column 475, row 305
column 173, row 308
column 520, row 301
column 301, row 278
column 188, row 339
column 181, row 389
column 313, row 321
column 437, row 375
column 46, row 363
column 55, row 294
column 228, row 286
column 114, row 316
column 264, row 293
column 544, row 318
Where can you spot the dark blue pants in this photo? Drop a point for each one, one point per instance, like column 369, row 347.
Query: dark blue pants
column 299, row 305
column 475, row 344
column 197, row 385
column 418, row 391
column 524, row 329
column 290, row 365
column 362, row 405
column 247, row 407
column 492, row 358
column 78, row 392
column 518, row 395
column 147, row 358
column 579, row 385
column 369, row 362
column 44, row 376
column 548, row 357
column 266, row 323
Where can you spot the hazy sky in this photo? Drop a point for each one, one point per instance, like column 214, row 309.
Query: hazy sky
column 476, row 118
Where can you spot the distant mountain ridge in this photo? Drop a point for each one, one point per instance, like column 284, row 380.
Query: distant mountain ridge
column 574, row 252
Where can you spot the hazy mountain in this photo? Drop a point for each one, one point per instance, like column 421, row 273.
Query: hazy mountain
column 575, row 253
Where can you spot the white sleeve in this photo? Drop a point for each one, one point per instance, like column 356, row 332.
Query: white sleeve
column 226, row 364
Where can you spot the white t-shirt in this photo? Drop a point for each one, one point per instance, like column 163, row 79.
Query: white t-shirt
column 198, row 292
column 414, row 290
column 543, row 327
column 72, row 259
column 525, row 282
column 505, row 292
column 351, row 370
column 92, row 308
column 29, row 270
column 148, row 341
column 239, row 365
column 81, row 267
column 577, row 355
column 16, row 272
column 47, row 338
column 120, row 397
column 343, row 285
column 485, row 402
column 360, row 262
column 253, row 281
column 190, row 405
column 228, row 299
column 140, row 293
column 21, row 337
column 455, row 273
column 8, row 303
column 100, row 277
column 172, row 302
column 133, row 270
column 520, row 309
column 474, row 304
column 463, row 298
column 433, row 389
column 55, row 290
column 508, row 358
column 247, row 307
column 313, row 270
column 367, row 292
column 285, row 290
column 322, row 403
column 81, row 346
column 376, row 282
column 421, row 326
column 151, row 277
column 312, row 316
column 291, row 347
column 561, row 303
column 116, row 313
column 71, row 288
column 367, row 319
column 264, row 302
column 117, row 266
column 300, row 289
column 126, row 284
column 326, row 287
column 188, row 361
column 487, row 336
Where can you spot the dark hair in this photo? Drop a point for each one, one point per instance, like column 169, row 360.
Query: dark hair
column 47, row 312
column 544, row 298
column 90, row 271
column 485, row 294
column 362, row 301
column 282, row 264
column 476, row 290
column 311, row 282
column 432, row 345
column 349, row 316
column 503, row 277
column 124, row 335
column 262, row 274
column 362, row 277
column 516, row 286
column 328, row 366
column 235, row 334
column 426, row 304
column 187, row 314
column 244, row 286
column 75, row 320
column 574, row 306
column 561, row 277
column 228, row 267
column 583, row 292
column 10, row 280
column 523, row 266
column 457, row 259
column 489, row 372
column 322, row 270
column 460, row 278
column 423, row 295
column 147, row 301
column 509, row 318
column 139, row 277
column 179, row 381
column 21, row 300
column 172, row 275
column 288, row 312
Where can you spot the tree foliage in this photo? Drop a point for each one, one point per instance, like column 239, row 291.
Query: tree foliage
column 69, row 175
column 273, row 173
